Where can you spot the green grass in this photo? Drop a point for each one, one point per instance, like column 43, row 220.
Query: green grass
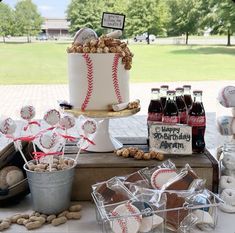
column 47, row 63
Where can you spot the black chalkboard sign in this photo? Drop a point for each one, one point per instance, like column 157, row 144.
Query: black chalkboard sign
column 113, row 20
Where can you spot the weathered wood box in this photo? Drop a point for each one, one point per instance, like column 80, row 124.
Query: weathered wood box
column 97, row 167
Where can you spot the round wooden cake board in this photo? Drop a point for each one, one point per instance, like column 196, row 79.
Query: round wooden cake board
column 102, row 139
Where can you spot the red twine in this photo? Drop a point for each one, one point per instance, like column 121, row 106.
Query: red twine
column 26, row 138
column 38, row 155
column 31, row 123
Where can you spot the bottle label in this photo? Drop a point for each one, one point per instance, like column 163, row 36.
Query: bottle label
column 197, row 120
column 155, row 116
column 183, row 117
column 170, row 119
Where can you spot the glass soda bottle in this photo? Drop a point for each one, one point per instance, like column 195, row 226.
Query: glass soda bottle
column 170, row 111
column 197, row 119
column 163, row 91
column 179, row 99
column 187, row 96
column 155, row 106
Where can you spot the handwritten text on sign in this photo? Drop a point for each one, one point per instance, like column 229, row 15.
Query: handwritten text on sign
column 115, row 21
column 170, row 139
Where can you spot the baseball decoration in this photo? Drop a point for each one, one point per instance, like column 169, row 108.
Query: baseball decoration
column 161, row 176
column 7, row 126
column 27, row 112
column 89, row 126
column 52, row 117
column 131, row 224
column 226, row 96
column 48, row 140
column 85, row 35
column 67, row 122
column 226, row 125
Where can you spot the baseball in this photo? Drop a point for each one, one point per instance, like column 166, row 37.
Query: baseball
column 161, row 176
column 7, row 126
column 48, row 140
column 226, row 125
column 85, row 35
column 52, row 117
column 126, row 224
column 67, row 121
column 89, row 126
column 27, row 112
column 204, row 220
column 226, row 96
column 10, row 175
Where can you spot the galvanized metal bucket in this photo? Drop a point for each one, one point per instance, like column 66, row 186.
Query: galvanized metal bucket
column 50, row 191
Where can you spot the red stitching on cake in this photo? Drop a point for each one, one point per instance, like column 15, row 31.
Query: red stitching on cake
column 90, row 75
column 115, row 78
column 132, row 211
column 153, row 178
column 121, row 222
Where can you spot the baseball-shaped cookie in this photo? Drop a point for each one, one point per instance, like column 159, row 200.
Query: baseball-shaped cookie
column 48, row 140
column 89, row 126
column 7, row 126
column 126, row 224
column 161, row 176
column 226, row 96
column 9, row 176
column 67, row 121
column 228, row 196
column 227, row 182
column 27, row 112
column 52, row 117
column 84, row 35
column 226, row 125
column 205, row 221
column 150, row 222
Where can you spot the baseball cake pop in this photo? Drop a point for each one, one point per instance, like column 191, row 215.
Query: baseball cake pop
column 7, row 126
column 52, row 117
column 67, row 122
column 27, row 112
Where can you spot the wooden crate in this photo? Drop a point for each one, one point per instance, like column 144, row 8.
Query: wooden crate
column 96, row 167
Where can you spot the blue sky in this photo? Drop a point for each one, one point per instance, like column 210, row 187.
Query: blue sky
column 47, row 8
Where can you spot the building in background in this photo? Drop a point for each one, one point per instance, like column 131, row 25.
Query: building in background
column 55, row 28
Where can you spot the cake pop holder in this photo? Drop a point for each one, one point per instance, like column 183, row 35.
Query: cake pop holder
column 103, row 140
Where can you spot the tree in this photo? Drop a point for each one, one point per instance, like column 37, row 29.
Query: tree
column 85, row 13
column 28, row 20
column 6, row 20
column 144, row 16
column 226, row 18
column 185, row 17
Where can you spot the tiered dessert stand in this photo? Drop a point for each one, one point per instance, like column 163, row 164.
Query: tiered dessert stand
column 103, row 141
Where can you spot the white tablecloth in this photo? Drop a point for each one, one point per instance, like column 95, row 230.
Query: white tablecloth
column 88, row 224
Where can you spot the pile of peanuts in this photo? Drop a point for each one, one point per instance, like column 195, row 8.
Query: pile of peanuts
column 139, row 154
column 57, row 165
column 105, row 44
column 134, row 104
column 37, row 220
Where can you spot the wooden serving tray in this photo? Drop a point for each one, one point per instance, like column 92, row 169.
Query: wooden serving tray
column 96, row 167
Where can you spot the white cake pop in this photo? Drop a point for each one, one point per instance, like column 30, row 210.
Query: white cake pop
column 52, row 117
column 226, row 96
column 89, row 126
column 67, row 121
column 84, row 35
column 48, row 140
column 7, row 126
column 27, row 112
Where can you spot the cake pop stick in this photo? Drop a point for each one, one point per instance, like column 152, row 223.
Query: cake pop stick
column 8, row 127
column 89, row 127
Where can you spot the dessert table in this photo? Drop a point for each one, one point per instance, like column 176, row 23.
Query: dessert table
column 88, row 224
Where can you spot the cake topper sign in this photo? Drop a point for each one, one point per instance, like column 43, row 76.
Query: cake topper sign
column 114, row 21
column 171, row 139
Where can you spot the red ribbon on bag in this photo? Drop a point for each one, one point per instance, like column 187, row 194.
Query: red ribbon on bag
column 25, row 139
column 87, row 139
column 38, row 155
column 70, row 138
column 31, row 123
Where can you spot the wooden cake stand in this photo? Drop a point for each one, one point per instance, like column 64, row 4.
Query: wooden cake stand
column 102, row 139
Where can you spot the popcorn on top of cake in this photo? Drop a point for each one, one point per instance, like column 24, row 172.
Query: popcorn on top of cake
column 104, row 44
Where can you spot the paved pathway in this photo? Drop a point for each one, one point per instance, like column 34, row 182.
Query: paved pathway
column 43, row 97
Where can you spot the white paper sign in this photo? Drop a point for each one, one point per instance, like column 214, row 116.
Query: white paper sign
column 111, row 20
column 170, row 139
